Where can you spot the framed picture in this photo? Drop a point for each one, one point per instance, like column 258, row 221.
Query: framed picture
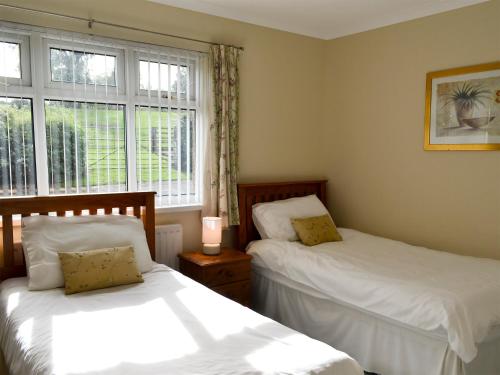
column 462, row 108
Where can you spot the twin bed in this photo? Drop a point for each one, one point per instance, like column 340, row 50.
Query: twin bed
column 169, row 324
column 394, row 308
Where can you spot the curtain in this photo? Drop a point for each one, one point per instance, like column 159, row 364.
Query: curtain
column 221, row 196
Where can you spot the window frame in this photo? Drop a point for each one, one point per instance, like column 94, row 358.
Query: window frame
column 162, row 59
column 198, row 167
column 24, row 61
column 35, row 170
column 36, row 44
column 145, row 99
column 65, row 88
column 95, row 103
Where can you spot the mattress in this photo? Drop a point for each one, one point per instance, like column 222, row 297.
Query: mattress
column 167, row 325
column 429, row 290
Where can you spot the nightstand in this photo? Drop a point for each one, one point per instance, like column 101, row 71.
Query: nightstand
column 227, row 273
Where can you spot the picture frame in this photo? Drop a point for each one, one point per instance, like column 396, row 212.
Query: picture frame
column 462, row 108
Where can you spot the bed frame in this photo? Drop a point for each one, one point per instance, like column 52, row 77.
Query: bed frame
column 138, row 204
column 250, row 194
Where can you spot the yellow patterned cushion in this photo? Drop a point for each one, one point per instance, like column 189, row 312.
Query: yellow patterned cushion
column 315, row 230
column 101, row 268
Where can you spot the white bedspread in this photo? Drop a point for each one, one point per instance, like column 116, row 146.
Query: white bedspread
column 167, row 325
column 422, row 288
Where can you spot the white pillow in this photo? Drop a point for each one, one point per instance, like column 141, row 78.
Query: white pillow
column 272, row 219
column 44, row 236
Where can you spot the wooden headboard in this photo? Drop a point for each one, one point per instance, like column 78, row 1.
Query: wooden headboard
column 140, row 204
column 249, row 194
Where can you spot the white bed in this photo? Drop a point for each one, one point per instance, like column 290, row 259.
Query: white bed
column 167, row 325
column 397, row 309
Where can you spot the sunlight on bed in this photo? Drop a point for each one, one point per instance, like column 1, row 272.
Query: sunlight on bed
column 220, row 316
column 97, row 340
column 289, row 354
column 25, row 333
column 12, row 302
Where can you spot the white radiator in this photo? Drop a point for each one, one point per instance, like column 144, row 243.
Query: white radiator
column 168, row 244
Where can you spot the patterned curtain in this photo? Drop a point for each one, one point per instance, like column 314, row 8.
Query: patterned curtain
column 223, row 137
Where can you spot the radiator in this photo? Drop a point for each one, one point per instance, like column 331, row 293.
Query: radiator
column 168, row 244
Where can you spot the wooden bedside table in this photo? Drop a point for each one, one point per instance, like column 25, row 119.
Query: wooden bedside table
column 227, row 273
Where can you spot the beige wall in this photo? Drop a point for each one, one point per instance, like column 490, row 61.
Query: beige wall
column 381, row 179
column 281, row 81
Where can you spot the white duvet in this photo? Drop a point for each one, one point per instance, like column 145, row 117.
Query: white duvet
column 422, row 288
column 167, row 325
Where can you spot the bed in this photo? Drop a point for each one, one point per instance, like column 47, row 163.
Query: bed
column 395, row 308
column 169, row 324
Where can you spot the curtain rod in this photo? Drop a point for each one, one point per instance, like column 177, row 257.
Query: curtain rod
column 91, row 21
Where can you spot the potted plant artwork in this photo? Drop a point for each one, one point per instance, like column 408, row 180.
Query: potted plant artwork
column 467, row 98
column 462, row 107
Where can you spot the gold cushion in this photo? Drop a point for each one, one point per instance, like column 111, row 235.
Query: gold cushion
column 101, row 268
column 315, row 230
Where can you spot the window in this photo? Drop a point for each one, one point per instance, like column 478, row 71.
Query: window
column 10, row 54
column 85, row 138
column 85, row 147
column 98, row 115
column 82, row 67
column 167, row 76
column 166, row 153
column 88, row 69
column 166, row 133
column 14, row 60
column 17, row 157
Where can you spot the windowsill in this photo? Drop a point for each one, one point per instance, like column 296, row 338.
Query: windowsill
column 187, row 208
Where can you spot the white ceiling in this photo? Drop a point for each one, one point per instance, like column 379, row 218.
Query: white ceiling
column 325, row 19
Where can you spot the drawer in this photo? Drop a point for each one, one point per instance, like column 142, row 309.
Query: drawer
column 226, row 273
column 238, row 291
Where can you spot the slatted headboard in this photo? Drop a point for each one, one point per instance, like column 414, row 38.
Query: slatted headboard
column 249, row 194
column 141, row 204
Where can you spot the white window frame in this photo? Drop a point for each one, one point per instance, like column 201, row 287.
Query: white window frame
column 186, row 62
column 25, row 65
column 70, row 88
column 150, row 98
column 37, row 85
